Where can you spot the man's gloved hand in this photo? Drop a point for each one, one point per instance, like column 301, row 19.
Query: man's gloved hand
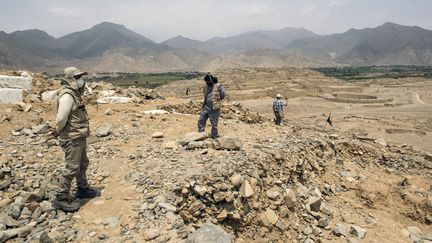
column 81, row 106
column 55, row 133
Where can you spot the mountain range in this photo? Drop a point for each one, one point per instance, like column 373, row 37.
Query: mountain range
column 113, row 47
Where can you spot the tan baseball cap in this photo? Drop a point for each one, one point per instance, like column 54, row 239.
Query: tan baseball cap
column 73, row 72
column 278, row 96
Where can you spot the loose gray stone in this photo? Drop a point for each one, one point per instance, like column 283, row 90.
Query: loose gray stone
column 151, row 234
column 290, row 198
column 236, row 180
column 35, row 196
column 340, row 229
column 41, row 129
column 272, row 194
column 209, row 233
column 5, row 183
column 16, row 211
column 12, row 233
column 158, row 135
column 104, row 130
column 8, row 220
column 46, row 206
column 44, row 238
column 193, row 136
column 358, row 231
column 228, row 143
column 37, row 213
column 167, row 206
column 196, row 145
column 323, row 223
column 200, row 190
column 314, row 203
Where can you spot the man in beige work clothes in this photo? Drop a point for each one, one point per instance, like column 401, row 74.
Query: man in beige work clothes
column 72, row 129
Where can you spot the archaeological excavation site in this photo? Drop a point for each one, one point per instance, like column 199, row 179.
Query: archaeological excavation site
column 366, row 177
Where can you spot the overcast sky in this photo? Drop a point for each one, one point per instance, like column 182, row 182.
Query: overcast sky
column 203, row 19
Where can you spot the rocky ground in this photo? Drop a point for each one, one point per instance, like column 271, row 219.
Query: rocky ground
column 162, row 182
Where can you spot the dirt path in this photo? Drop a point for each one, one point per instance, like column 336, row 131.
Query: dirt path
column 107, row 213
column 417, row 100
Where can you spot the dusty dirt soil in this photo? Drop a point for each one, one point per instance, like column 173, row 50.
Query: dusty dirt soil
column 374, row 165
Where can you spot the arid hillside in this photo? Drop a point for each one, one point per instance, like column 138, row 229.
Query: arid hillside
column 366, row 179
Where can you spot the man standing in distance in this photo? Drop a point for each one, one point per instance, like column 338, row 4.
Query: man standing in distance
column 72, row 129
column 214, row 94
column 278, row 105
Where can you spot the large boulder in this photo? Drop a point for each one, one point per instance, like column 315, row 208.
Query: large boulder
column 209, row 233
column 50, row 95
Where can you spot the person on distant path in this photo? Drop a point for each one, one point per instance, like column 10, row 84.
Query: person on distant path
column 72, row 129
column 214, row 94
column 278, row 105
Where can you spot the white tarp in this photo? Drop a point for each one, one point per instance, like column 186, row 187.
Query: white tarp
column 155, row 112
column 114, row 100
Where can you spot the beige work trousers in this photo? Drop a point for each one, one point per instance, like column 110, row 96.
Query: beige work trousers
column 76, row 166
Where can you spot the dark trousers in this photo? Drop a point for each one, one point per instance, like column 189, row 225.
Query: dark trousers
column 278, row 117
column 213, row 115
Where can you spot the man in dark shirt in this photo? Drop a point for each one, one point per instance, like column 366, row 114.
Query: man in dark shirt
column 214, row 94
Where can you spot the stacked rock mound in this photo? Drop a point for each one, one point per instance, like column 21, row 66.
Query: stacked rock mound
column 191, row 107
column 277, row 191
column 274, row 189
column 41, row 82
column 232, row 110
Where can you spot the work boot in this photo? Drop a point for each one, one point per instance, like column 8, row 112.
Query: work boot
column 67, row 204
column 86, row 193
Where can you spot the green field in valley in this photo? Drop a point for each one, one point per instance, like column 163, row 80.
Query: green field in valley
column 146, row 80
column 354, row 73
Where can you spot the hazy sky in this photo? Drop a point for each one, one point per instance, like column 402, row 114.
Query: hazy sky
column 203, row 19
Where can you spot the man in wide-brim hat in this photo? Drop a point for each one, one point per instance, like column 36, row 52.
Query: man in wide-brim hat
column 72, row 129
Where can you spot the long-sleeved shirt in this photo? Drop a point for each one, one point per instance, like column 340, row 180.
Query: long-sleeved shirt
column 66, row 102
column 278, row 105
column 208, row 98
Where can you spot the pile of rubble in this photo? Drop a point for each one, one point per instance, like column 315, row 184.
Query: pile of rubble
column 37, row 87
column 41, row 83
column 102, row 92
column 254, row 193
column 233, row 110
column 274, row 191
